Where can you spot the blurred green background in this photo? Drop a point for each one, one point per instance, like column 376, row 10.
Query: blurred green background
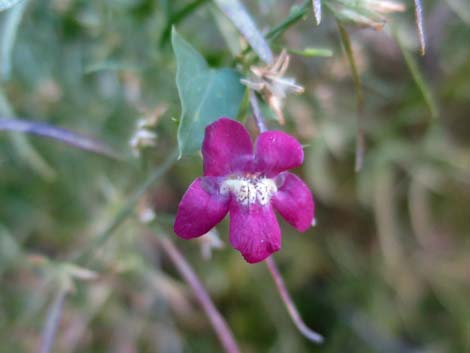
column 387, row 267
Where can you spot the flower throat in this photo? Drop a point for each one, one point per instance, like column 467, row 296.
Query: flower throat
column 250, row 190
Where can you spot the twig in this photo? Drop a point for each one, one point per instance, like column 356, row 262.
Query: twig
column 54, row 314
column 257, row 115
column 293, row 312
column 184, row 268
column 66, row 136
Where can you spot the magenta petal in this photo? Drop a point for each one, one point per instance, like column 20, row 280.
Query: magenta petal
column 294, row 202
column 254, row 231
column 226, row 144
column 277, row 151
column 199, row 210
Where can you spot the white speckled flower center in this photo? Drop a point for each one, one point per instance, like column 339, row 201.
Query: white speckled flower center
column 249, row 191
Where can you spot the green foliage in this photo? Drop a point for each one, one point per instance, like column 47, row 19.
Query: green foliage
column 206, row 94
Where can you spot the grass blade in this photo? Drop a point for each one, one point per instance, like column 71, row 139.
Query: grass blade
column 418, row 79
column 360, row 139
column 238, row 14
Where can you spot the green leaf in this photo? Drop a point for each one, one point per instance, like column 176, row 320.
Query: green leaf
column 311, row 52
column 205, row 94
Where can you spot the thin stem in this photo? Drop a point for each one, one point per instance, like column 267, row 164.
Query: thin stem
column 54, row 314
column 184, row 268
column 257, row 115
column 288, row 302
column 295, row 15
column 66, row 136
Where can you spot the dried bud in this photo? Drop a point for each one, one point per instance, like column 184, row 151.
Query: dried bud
column 269, row 80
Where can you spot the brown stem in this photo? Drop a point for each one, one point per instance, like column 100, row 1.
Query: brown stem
column 288, row 302
column 184, row 268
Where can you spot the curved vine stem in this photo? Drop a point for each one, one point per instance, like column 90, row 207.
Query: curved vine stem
column 184, row 268
column 288, row 302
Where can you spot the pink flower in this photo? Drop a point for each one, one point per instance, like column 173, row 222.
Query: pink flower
column 248, row 184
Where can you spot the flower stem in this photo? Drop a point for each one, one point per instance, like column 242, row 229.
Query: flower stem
column 257, row 115
column 288, row 302
column 184, row 268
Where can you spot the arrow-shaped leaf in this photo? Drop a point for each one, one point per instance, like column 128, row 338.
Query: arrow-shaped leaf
column 205, row 94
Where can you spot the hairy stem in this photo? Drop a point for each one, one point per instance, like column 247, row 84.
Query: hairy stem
column 288, row 302
column 184, row 268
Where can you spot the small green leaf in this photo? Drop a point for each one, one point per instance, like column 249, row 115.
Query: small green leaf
column 205, row 94
column 311, row 52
